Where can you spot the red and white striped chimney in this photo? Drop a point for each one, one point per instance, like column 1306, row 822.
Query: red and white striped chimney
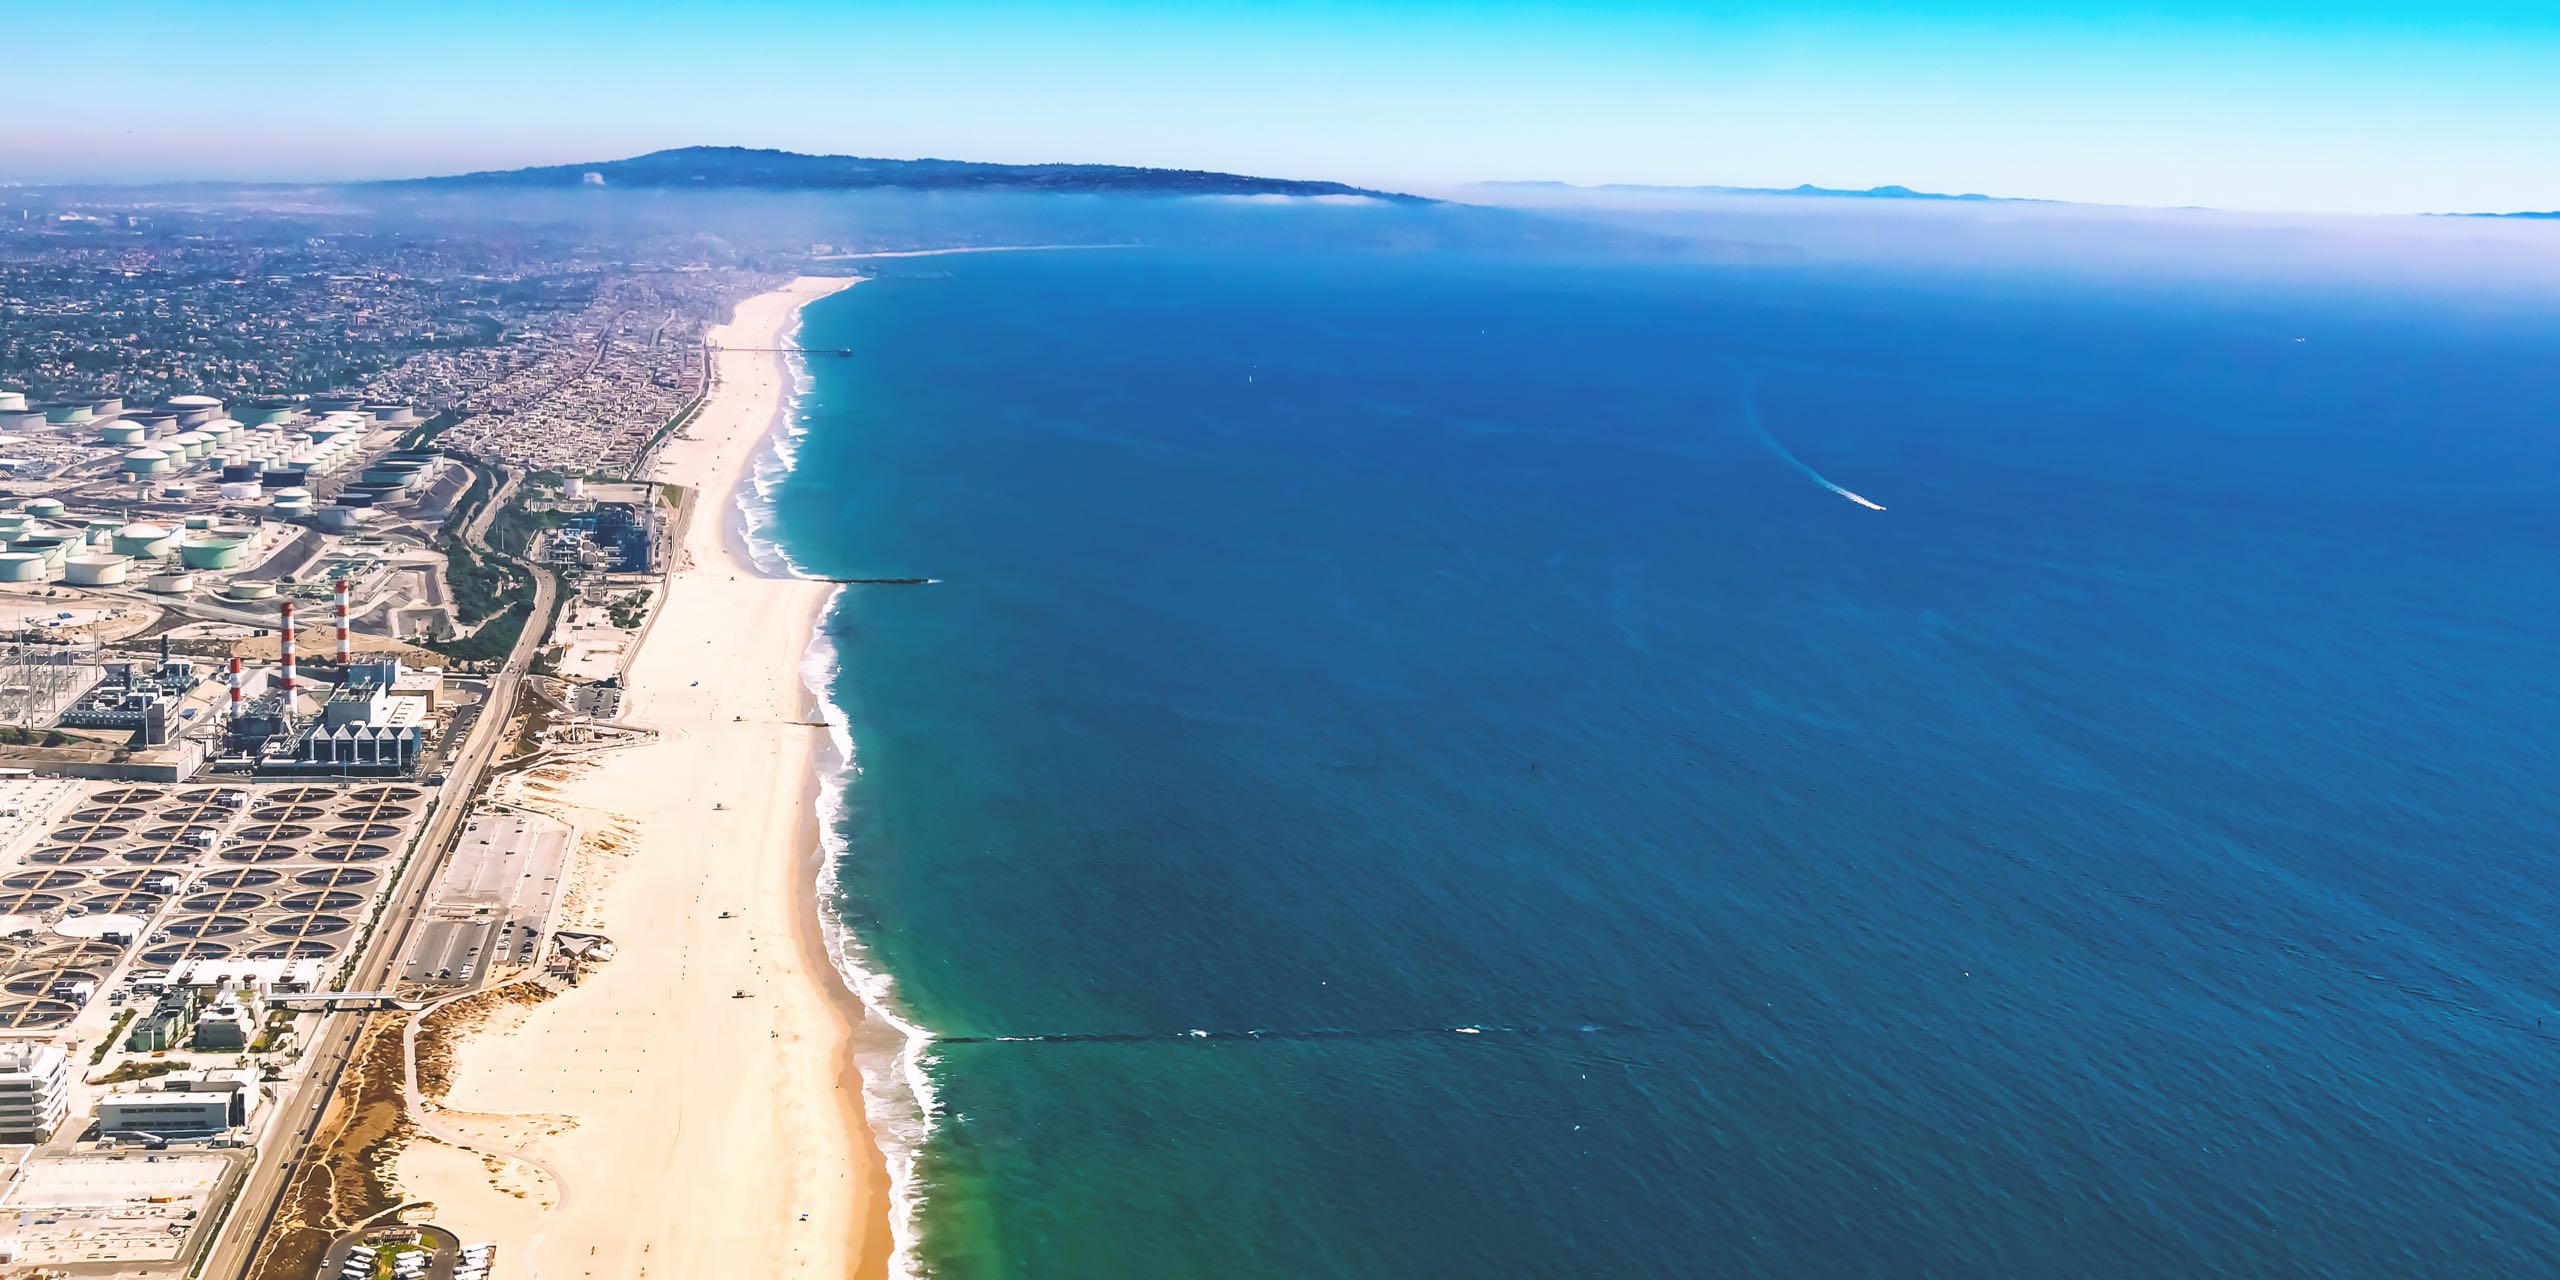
column 235, row 686
column 346, row 649
column 291, row 685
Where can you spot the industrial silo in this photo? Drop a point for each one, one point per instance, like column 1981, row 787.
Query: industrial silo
column 43, row 508
column 66, row 412
column 148, row 462
column 249, row 589
column 52, row 550
column 21, row 566
column 293, row 502
column 101, row 532
column 144, row 541
column 170, row 584
column 124, row 433
column 210, row 552
column 97, row 570
column 13, row 401
column 193, row 411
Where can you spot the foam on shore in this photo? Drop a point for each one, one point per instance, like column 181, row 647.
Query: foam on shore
column 898, row 1095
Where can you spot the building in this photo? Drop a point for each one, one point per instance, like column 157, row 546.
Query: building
column 187, row 1104
column 165, row 1023
column 34, row 1090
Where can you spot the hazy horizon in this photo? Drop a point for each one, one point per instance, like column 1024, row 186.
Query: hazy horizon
column 2366, row 106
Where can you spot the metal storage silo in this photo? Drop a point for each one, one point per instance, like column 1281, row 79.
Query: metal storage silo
column 97, row 570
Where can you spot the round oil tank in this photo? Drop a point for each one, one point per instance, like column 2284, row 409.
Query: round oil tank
column 58, row 411
column 177, row 492
column 21, row 566
column 97, row 571
column 342, row 518
column 281, row 478
column 147, row 462
column 101, row 533
column 54, row 550
column 291, row 507
column 194, row 444
column 239, row 490
column 43, row 508
column 352, row 499
column 13, row 400
column 242, row 471
column 212, row 553
column 106, row 406
column 191, row 402
column 196, row 524
column 124, row 433
column 244, row 589
column 170, row 584
column 144, row 541
column 295, row 494
column 20, row 419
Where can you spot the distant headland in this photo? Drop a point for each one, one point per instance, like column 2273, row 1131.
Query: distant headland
column 1887, row 192
column 751, row 168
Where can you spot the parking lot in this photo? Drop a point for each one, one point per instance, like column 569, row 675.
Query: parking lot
column 493, row 901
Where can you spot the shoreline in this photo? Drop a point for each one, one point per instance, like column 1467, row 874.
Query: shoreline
column 699, row 1096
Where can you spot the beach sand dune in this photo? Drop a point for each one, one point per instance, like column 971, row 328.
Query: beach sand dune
column 696, row 1095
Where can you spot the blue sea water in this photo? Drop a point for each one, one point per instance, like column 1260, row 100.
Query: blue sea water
column 1399, row 778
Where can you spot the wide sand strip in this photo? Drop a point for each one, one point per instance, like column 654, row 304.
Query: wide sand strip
column 696, row 1095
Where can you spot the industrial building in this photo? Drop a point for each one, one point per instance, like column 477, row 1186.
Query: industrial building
column 34, row 1090
column 185, row 1105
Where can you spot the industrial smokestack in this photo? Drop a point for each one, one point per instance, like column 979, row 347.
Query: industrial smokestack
column 291, row 685
column 235, row 686
column 346, row 649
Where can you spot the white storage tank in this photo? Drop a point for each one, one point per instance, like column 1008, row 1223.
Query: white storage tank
column 21, row 566
column 170, row 584
column 148, row 462
column 144, row 541
column 97, row 571
column 240, row 491
column 124, row 433
column 247, row 589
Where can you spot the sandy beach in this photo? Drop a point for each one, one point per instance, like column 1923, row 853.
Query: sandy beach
column 692, row 1108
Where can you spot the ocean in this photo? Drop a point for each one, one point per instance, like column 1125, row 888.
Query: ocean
column 1463, row 763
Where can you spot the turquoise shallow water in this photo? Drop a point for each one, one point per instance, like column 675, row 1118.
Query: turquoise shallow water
column 1399, row 778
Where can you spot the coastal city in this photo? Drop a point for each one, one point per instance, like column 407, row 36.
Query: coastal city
column 325, row 554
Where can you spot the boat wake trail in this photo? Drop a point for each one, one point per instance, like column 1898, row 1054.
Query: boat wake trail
column 1751, row 419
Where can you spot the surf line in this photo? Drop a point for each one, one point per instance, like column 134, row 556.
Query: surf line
column 1320, row 1033
column 1751, row 419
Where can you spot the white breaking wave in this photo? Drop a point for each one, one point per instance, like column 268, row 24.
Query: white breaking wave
column 898, row 1098
column 897, row 1094
column 1751, row 419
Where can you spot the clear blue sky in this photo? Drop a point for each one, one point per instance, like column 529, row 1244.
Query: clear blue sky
column 2280, row 104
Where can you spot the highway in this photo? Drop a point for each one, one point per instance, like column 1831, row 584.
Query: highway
column 298, row 1114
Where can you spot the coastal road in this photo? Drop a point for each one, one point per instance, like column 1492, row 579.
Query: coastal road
column 298, row 1115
